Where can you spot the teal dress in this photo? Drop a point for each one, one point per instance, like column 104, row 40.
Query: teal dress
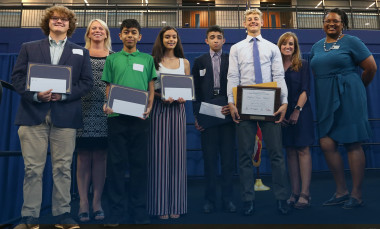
column 341, row 99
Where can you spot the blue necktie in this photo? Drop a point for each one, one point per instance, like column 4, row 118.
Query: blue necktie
column 256, row 62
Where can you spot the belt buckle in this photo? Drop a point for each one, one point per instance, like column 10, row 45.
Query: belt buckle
column 216, row 91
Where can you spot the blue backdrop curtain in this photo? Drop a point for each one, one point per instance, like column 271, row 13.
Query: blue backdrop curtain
column 11, row 162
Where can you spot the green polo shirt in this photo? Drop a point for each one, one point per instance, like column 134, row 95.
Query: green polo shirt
column 133, row 70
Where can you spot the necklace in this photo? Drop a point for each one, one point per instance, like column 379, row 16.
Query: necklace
column 324, row 44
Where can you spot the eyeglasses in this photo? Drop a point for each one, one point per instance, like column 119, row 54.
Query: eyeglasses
column 63, row 19
column 331, row 21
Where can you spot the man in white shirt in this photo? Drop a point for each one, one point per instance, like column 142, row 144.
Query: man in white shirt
column 242, row 72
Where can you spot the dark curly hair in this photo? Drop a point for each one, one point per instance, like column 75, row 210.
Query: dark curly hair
column 159, row 48
column 342, row 15
column 62, row 11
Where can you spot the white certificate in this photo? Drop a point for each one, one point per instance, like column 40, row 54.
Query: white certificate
column 258, row 102
column 211, row 110
column 44, row 84
column 175, row 93
column 128, row 108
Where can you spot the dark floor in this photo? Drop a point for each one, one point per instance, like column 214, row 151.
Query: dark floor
column 266, row 216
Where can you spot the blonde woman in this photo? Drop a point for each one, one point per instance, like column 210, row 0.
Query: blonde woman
column 92, row 139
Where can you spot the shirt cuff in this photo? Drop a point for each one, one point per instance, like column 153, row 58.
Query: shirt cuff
column 284, row 100
column 35, row 98
column 231, row 99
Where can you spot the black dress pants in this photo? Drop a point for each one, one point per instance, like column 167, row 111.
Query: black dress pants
column 219, row 140
column 127, row 148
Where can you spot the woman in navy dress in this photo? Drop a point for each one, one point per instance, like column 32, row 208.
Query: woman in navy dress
column 298, row 131
column 341, row 103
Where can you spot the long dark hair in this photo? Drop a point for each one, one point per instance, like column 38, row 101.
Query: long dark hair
column 159, row 48
column 342, row 15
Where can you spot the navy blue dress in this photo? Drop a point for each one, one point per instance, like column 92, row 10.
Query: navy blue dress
column 301, row 134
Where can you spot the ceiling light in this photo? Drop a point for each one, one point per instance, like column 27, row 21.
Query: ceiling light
column 319, row 4
column 85, row 1
column 370, row 6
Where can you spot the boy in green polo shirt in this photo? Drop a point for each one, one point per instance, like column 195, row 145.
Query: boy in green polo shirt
column 127, row 135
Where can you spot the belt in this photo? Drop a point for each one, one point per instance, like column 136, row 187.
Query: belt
column 216, row 91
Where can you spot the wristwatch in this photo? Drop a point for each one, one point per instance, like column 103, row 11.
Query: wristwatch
column 298, row 108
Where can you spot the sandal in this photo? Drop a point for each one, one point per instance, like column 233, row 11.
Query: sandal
column 84, row 217
column 292, row 202
column 174, row 216
column 163, row 217
column 299, row 205
column 98, row 215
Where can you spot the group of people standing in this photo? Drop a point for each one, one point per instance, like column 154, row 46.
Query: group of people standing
column 153, row 149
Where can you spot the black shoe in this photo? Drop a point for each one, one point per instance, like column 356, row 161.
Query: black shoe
column 208, row 207
column 28, row 222
column 353, row 203
column 249, row 208
column 283, row 207
column 336, row 201
column 141, row 217
column 66, row 222
column 229, row 207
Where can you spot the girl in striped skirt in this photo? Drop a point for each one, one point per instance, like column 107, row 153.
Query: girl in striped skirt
column 167, row 183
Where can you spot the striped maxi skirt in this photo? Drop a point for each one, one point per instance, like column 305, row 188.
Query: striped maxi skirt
column 167, row 180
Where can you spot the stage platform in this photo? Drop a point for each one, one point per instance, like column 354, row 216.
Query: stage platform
column 266, row 216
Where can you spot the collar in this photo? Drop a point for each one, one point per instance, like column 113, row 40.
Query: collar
column 61, row 42
column 212, row 53
column 259, row 38
column 132, row 54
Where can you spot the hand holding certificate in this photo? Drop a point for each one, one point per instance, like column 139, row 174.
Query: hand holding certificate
column 211, row 112
column 258, row 103
column 127, row 101
column 45, row 77
column 177, row 86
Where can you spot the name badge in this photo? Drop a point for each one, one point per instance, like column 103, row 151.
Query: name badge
column 78, row 51
column 335, row 47
column 202, row 72
column 138, row 67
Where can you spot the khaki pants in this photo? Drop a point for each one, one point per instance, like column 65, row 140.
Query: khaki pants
column 34, row 143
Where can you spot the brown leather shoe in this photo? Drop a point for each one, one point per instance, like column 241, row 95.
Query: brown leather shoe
column 28, row 222
column 66, row 222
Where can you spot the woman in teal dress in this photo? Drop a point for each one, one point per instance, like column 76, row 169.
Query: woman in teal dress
column 341, row 103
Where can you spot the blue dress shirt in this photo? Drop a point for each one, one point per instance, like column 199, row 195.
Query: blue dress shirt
column 241, row 69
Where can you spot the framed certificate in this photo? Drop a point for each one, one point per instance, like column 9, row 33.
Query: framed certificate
column 127, row 101
column 258, row 103
column 176, row 86
column 43, row 77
